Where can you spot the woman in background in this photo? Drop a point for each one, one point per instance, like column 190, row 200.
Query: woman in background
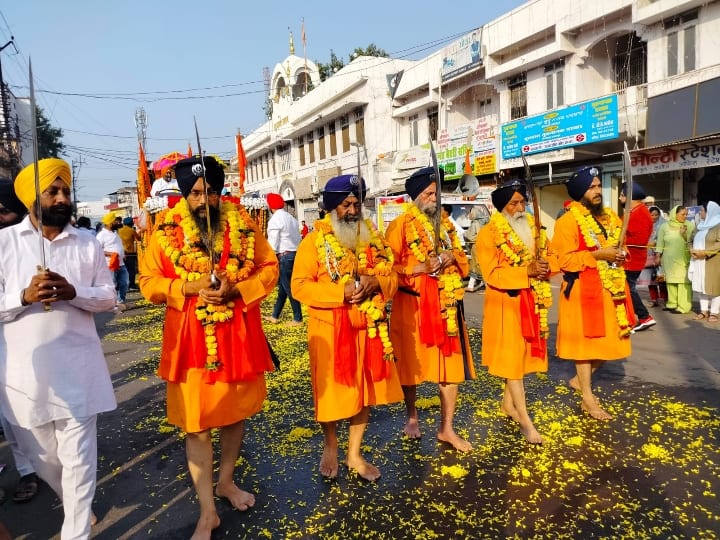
column 656, row 288
column 704, row 269
column 671, row 250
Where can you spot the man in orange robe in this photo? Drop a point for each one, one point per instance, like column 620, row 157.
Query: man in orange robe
column 594, row 322
column 214, row 354
column 428, row 330
column 342, row 268
column 517, row 296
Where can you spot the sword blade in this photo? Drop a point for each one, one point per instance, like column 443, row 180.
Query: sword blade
column 36, row 159
column 210, row 231
column 627, row 171
column 438, row 198
column 535, row 204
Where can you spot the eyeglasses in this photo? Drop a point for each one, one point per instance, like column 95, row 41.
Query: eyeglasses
column 197, row 193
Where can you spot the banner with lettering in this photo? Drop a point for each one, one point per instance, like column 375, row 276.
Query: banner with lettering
column 676, row 157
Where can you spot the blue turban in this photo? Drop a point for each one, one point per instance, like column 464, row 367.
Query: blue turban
column 340, row 188
column 638, row 193
column 420, row 179
column 502, row 195
column 188, row 170
column 579, row 181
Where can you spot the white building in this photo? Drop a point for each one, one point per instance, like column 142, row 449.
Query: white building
column 564, row 82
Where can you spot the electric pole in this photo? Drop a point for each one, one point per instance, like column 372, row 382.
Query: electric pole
column 76, row 166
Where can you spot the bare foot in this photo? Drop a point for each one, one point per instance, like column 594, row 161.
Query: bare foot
column 93, row 519
column 205, row 526
column 364, row 469
column 594, row 410
column 531, row 434
column 574, row 383
column 239, row 499
column 412, row 429
column 510, row 413
column 329, row 462
column 455, row 441
column 271, row 319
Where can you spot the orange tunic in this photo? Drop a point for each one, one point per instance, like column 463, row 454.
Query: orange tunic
column 417, row 362
column 505, row 350
column 198, row 400
column 572, row 342
column 311, row 284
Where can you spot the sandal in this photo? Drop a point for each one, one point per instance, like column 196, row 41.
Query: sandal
column 700, row 316
column 26, row 489
column 713, row 318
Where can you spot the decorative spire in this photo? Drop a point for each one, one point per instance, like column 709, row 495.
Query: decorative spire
column 292, row 43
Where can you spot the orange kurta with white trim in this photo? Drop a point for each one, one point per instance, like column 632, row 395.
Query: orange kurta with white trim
column 572, row 343
column 311, row 284
column 194, row 404
column 505, row 351
column 417, row 362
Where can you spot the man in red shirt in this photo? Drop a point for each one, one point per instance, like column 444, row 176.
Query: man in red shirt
column 639, row 230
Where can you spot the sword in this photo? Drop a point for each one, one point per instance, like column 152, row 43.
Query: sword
column 360, row 199
column 438, row 199
column 211, row 233
column 36, row 152
column 628, row 194
column 535, row 204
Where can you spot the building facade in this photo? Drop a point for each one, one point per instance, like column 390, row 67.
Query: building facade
column 564, row 82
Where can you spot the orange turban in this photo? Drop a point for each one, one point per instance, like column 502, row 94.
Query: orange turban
column 50, row 169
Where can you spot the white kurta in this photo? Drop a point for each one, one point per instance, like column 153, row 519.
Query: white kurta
column 52, row 366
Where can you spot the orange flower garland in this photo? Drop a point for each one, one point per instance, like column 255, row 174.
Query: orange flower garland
column 507, row 240
column 179, row 237
column 418, row 234
column 612, row 277
column 372, row 258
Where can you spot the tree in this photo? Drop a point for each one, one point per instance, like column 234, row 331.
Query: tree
column 336, row 64
column 49, row 138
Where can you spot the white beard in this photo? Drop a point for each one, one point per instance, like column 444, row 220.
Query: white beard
column 346, row 233
column 521, row 226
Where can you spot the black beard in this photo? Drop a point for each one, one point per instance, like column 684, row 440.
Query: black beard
column 201, row 221
column 57, row 215
column 595, row 209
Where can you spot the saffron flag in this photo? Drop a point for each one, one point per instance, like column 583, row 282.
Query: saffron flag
column 143, row 176
column 242, row 163
column 468, row 167
column 190, row 153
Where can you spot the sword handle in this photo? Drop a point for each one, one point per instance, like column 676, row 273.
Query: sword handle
column 46, row 306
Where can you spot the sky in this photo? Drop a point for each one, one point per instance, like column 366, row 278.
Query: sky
column 95, row 63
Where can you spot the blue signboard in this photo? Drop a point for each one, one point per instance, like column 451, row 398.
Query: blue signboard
column 584, row 123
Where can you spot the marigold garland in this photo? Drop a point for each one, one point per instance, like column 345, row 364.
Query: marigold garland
column 612, row 277
column 179, row 237
column 508, row 241
column 372, row 258
column 418, row 235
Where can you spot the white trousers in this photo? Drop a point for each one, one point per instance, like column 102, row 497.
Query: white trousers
column 709, row 303
column 64, row 454
column 22, row 463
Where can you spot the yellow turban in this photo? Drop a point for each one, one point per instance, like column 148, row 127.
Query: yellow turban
column 50, row 170
column 109, row 218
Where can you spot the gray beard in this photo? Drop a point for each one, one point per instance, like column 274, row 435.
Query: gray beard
column 346, row 231
column 428, row 208
column 521, row 226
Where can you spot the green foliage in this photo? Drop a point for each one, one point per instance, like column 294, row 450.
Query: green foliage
column 49, row 138
column 336, row 63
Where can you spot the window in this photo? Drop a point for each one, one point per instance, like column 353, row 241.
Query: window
column 432, row 115
column 321, row 141
column 359, row 126
column 333, row 139
column 518, row 96
column 413, row 124
column 629, row 64
column 681, row 42
column 345, row 126
column 311, row 146
column 301, row 151
column 555, row 92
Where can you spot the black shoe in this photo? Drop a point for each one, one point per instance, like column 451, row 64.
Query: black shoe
column 669, row 309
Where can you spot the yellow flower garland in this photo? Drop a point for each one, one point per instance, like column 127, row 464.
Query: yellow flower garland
column 179, row 237
column 418, row 235
column 612, row 277
column 341, row 265
column 507, row 240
